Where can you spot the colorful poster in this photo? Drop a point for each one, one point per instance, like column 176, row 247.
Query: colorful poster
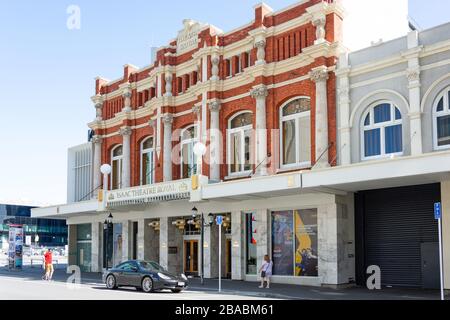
column 306, row 259
column 283, row 243
column 15, row 253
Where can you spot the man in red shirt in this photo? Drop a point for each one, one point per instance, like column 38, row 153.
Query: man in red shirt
column 48, row 257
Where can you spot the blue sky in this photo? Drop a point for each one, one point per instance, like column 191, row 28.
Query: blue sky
column 47, row 73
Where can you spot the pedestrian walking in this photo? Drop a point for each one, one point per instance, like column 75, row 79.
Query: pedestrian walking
column 48, row 257
column 266, row 271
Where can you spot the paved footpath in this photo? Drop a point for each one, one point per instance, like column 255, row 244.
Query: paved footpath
column 27, row 284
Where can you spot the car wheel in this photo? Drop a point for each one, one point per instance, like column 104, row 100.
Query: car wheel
column 147, row 285
column 111, row 282
column 176, row 290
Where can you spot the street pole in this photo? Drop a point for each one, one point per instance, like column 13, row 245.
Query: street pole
column 202, row 243
column 220, row 257
column 440, row 258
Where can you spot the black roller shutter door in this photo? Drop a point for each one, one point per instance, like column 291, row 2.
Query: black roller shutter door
column 396, row 221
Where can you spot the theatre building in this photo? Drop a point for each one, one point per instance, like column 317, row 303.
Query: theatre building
column 260, row 125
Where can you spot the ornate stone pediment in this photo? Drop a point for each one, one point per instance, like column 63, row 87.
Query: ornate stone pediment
column 187, row 39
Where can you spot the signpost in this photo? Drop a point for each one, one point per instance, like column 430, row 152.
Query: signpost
column 219, row 221
column 438, row 217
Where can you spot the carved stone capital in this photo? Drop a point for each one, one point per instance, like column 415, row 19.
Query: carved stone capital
column 413, row 75
column 125, row 131
column 261, row 44
column 196, row 111
column 167, row 119
column 319, row 74
column 215, row 106
column 97, row 139
column 260, row 92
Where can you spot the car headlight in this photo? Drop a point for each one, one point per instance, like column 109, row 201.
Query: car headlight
column 163, row 276
column 184, row 276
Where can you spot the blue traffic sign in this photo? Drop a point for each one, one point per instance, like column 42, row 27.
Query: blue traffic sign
column 437, row 211
column 219, row 220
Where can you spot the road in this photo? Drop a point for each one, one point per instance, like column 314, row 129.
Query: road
column 13, row 288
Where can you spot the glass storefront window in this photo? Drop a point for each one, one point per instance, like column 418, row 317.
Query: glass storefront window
column 294, row 243
column 250, row 244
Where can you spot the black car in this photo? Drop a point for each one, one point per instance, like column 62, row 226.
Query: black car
column 147, row 276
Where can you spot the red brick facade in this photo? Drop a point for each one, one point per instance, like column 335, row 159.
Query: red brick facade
column 280, row 48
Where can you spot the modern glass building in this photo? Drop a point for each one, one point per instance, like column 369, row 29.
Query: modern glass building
column 50, row 232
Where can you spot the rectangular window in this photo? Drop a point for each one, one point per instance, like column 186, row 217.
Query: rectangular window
column 189, row 165
column 147, row 168
column 305, row 139
column 249, row 59
column 250, row 244
column 372, row 145
column 294, row 243
column 228, row 68
column 443, row 131
column 394, row 139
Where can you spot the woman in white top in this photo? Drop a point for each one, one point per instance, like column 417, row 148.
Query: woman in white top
column 266, row 271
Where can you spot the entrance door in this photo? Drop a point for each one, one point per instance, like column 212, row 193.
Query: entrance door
column 430, row 265
column 228, row 258
column 191, row 257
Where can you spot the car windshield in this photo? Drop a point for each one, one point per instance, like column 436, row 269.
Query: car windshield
column 150, row 265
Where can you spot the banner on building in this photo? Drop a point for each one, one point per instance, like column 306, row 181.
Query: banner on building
column 15, row 253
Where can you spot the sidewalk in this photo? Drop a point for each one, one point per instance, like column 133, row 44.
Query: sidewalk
column 277, row 291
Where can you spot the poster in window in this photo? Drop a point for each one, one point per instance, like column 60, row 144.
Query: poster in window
column 306, row 258
column 117, row 243
column 283, row 243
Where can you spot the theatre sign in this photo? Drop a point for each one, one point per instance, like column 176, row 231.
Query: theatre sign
column 147, row 194
column 187, row 39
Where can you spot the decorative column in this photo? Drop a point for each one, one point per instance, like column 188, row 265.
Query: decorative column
column 127, row 99
column 164, row 242
column 127, row 240
column 96, row 247
column 125, row 132
column 167, row 170
column 261, row 52
column 413, row 75
column 319, row 22
column 344, row 110
column 260, row 93
column 99, row 111
column 215, row 60
column 97, row 163
column 168, row 79
column 319, row 75
column 237, row 245
column 215, row 134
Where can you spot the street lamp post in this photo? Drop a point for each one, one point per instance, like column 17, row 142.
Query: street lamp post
column 202, row 239
column 106, row 226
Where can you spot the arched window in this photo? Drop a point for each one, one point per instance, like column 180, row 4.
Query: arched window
column 147, row 161
column 295, row 136
column 239, row 143
column 441, row 119
column 189, row 137
column 116, row 164
column 381, row 133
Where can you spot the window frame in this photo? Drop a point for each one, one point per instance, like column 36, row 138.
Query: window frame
column 145, row 151
column 297, row 117
column 185, row 142
column 438, row 114
column 242, row 131
column 120, row 161
column 382, row 126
